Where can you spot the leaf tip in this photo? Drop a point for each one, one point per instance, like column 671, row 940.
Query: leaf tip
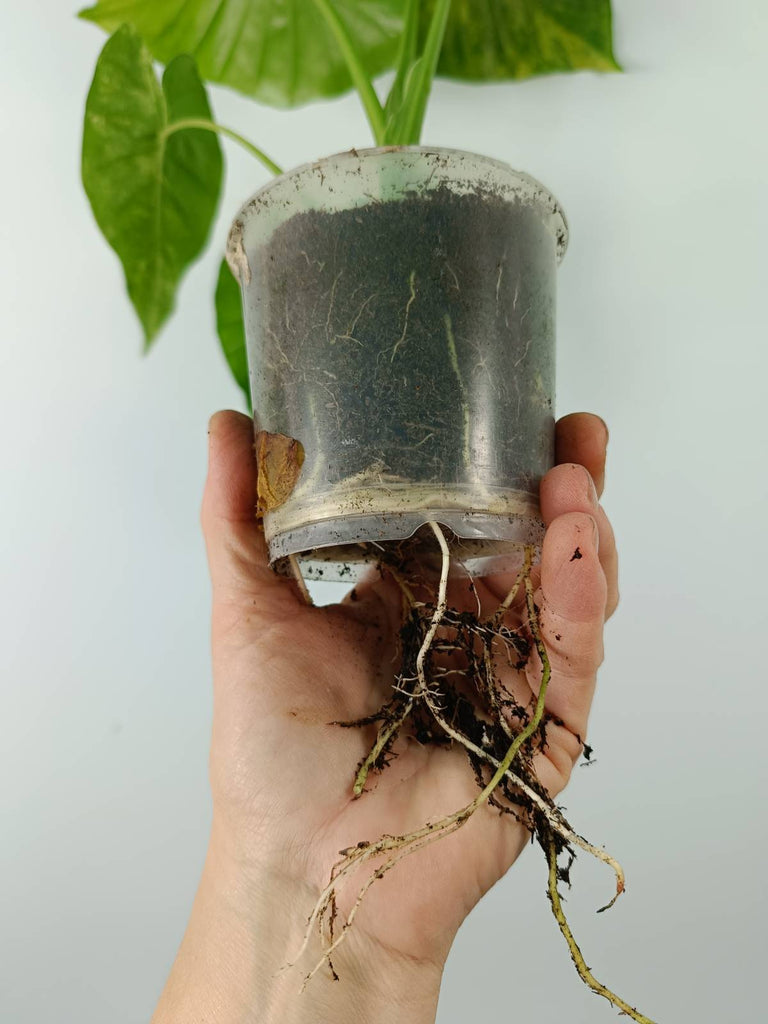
column 152, row 323
column 181, row 62
column 150, row 333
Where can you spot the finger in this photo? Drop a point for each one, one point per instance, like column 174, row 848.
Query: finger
column 237, row 551
column 582, row 437
column 570, row 488
column 571, row 601
column 376, row 600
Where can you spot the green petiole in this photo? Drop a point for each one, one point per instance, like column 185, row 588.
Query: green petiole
column 360, row 79
column 219, row 129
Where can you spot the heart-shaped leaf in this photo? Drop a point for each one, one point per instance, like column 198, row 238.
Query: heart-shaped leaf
column 231, row 329
column 153, row 190
column 496, row 39
column 280, row 51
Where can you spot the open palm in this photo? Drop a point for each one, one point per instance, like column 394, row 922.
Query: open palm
column 284, row 672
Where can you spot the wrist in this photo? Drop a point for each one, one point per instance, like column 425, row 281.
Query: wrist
column 243, row 930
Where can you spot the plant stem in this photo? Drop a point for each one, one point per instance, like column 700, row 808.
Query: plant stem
column 219, row 129
column 407, row 130
column 360, row 79
column 405, row 59
column 576, row 955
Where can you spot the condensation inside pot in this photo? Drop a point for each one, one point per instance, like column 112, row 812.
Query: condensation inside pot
column 409, row 346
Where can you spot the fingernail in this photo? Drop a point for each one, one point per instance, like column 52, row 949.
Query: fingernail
column 605, row 427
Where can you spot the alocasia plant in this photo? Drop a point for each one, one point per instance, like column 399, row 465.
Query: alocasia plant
column 151, row 158
column 152, row 168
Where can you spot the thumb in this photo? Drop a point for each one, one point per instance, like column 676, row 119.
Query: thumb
column 237, row 551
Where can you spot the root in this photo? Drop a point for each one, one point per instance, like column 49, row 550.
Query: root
column 411, row 846
column 553, row 816
column 356, row 856
column 576, row 955
column 453, row 356
column 437, row 618
column 412, row 841
column 523, row 574
column 411, row 299
column 500, row 750
column 386, row 736
column 296, row 572
column 405, row 589
column 388, row 733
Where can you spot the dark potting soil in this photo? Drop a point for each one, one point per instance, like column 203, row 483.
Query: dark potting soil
column 412, row 338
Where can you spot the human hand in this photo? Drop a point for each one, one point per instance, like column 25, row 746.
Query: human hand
column 281, row 774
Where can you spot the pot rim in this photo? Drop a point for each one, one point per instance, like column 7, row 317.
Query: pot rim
column 465, row 170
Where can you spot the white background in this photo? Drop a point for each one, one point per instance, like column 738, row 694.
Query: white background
column 105, row 683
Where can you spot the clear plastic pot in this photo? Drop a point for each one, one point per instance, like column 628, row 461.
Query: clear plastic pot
column 400, row 320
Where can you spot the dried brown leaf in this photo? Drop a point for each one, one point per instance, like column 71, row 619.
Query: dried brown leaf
column 279, row 459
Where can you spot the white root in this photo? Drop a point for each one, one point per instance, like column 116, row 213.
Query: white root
column 411, row 847
column 403, row 845
column 296, row 571
column 552, row 815
column 442, row 604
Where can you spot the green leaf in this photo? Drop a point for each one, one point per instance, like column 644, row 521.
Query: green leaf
column 153, row 192
column 496, row 39
column 282, row 52
column 231, row 329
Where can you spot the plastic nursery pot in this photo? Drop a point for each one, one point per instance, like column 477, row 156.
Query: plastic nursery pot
column 399, row 311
